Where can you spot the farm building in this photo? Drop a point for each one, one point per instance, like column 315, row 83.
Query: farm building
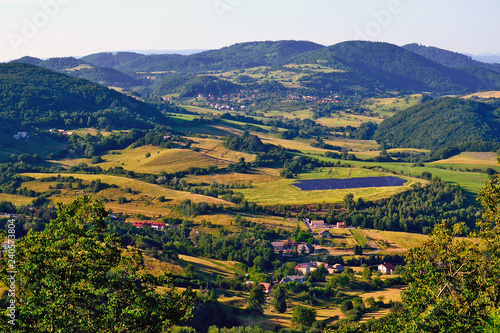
column 386, row 268
column 157, row 226
column 338, row 268
column 318, row 224
column 285, row 246
column 266, row 287
column 294, row 278
column 306, row 267
column 325, row 234
column 305, row 248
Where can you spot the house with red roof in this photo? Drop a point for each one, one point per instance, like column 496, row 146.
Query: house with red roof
column 386, row 268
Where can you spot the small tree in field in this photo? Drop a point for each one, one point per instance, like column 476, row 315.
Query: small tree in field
column 256, row 298
column 279, row 299
column 303, row 316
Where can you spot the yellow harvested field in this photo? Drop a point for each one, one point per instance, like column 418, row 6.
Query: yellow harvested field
column 167, row 160
column 484, row 94
column 215, row 149
column 341, row 119
column 388, row 294
column 377, row 235
column 403, row 239
column 211, row 266
column 374, row 315
column 16, row 199
column 355, row 145
column 471, row 158
column 407, row 150
column 77, row 68
column 150, row 190
column 261, row 175
column 302, row 145
column 157, row 267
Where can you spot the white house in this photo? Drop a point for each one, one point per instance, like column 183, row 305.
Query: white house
column 386, row 268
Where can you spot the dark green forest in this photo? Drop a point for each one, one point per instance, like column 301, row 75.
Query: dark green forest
column 439, row 123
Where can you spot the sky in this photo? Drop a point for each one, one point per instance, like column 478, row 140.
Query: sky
column 50, row 28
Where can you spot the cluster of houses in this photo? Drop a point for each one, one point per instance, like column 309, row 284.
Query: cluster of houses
column 334, row 99
column 307, row 267
column 302, row 270
column 316, row 224
column 287, row 246
column 21, row 135
column 221, row 107
column 62, row 131
column 154, row 225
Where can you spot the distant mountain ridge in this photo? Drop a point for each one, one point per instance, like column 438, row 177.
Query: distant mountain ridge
column 358, row 67
column 486, row 72
column 394, row 67
column 110, row 59
column 237, row 56
column 82, row 69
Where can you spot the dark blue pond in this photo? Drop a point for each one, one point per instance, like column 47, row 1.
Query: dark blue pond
column 336, row 184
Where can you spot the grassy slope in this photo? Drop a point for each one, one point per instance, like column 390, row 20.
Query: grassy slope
column 282, row 191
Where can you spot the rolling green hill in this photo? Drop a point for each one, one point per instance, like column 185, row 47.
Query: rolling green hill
column 110, row 59
column 32, row 96
column 439, row 123
column 443, row 57
column 190, row 86
column 393, row 67
column 238, row 56
column 81, row 69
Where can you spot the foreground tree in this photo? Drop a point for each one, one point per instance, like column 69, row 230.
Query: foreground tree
column 454, row 285
column 256, row 298
column 303, row 316
column 70, row 279
column 279, row 299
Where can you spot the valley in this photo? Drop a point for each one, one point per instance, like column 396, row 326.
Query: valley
column 210, row 149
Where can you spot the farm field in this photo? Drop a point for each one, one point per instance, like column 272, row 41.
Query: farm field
column 342, row 119
column 143, row 202
column 470, row 159
column 151, row 159
column 387, row 106
column 211, row 267
column 470, row 181
column 284, row 192
column 336, row 184
column 484, row 94
column 259, row 175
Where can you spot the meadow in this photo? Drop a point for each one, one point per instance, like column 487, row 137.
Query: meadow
column 282, row 191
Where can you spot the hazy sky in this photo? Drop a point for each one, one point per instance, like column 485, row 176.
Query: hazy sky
column 47, row 28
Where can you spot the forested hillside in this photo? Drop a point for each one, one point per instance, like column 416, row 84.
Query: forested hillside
column 81, row 69
column 440, row 122
column 394, row 67
column 242, row 55
column 36, row 97
column 110, row 59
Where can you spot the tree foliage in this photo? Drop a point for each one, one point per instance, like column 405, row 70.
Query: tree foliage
column 440, row 123
column 69, row 279
column 279, row 299
column 302, row 315
column 256, row 298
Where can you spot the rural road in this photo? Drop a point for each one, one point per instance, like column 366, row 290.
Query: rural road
column 373, row 244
